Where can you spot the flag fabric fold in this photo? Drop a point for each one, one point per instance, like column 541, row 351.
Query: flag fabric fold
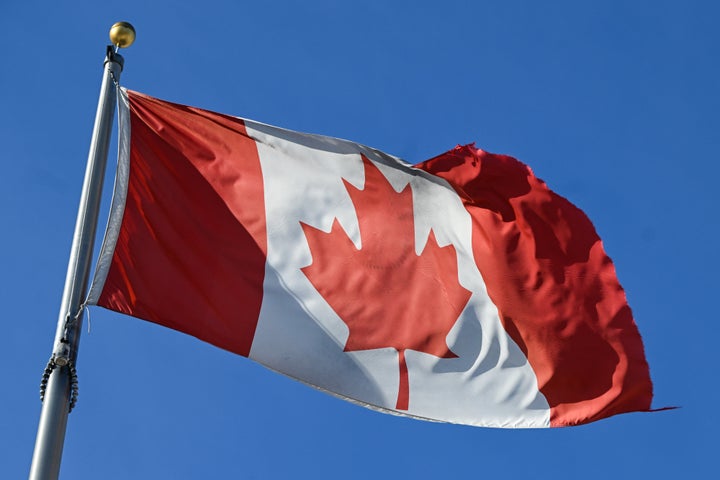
column 461, row 289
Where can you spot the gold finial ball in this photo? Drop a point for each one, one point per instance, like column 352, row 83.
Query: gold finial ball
column 122, row 34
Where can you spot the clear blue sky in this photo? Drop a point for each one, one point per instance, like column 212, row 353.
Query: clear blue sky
column 614, row 103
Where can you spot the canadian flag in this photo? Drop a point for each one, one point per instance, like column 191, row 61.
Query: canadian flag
column 461, row 289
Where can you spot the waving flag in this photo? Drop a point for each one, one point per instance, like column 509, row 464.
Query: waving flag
column 461, row 289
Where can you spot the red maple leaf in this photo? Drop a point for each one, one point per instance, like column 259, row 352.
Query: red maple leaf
column 386, row 294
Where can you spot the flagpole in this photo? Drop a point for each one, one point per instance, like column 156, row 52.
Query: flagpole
column 59, row 384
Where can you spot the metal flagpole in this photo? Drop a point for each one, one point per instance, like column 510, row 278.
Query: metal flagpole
column 59, row 383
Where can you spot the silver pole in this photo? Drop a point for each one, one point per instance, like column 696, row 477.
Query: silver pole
column 59, row 391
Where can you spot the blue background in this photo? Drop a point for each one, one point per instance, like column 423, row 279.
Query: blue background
column 613, row 103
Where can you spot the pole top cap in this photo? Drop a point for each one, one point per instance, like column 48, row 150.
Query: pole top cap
column 122, row 34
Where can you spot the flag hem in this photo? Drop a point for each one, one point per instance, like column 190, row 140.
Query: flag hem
column 119, row 197
column 517, row 425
